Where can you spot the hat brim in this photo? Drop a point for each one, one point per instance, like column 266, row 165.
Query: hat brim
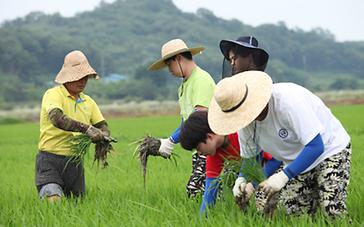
column 227, row 44
column 66, row 75
column 259, row 92
column 159, row 64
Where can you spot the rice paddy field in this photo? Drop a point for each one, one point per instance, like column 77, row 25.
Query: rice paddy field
column 116, row 196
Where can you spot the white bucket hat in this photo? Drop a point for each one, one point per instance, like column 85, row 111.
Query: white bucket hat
column 238, row 100
column 172, row 48
column 75, row 67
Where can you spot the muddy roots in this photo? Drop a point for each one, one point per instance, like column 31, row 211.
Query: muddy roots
column 147, row 146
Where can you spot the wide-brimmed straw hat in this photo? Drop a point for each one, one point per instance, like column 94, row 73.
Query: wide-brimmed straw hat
column 75, row 67
column 172, row 48
column 249, row 42
column 238, row 100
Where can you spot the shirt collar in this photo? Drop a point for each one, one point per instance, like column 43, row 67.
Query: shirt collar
column 65, row 92
column 192, row 74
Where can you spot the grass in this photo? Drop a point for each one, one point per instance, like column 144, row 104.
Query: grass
column 116, row 196
column 10, row 120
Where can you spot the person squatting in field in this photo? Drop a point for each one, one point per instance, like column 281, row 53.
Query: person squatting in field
column 294, row 126
column 66, row 112
column 194, row 93
column 196, row 134
column 240, row 55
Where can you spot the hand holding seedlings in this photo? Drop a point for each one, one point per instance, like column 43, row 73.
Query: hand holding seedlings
column 150, row 145
column 274, row 183
column 166, row 147
column 95, row 134
column 81, row 144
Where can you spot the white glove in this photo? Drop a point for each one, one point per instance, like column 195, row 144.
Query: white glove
column 274, row 183
column 166, row 147
column 242, row 188
column 240, row 181
column 249, row 190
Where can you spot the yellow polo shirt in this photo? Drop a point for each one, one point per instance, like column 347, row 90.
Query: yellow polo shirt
column 85, row 110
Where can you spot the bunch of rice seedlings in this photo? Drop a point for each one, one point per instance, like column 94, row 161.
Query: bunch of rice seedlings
column 252, row 172
column 230, row 173
column 102, row 148
column 147, row 146
column 80, row 146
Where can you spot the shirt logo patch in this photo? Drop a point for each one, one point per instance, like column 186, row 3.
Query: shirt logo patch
column 283, row 133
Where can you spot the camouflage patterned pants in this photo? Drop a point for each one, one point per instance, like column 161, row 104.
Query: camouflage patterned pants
column 196, row 183
column 325, row 186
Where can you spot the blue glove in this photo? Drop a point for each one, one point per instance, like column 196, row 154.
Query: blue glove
column 210, row 195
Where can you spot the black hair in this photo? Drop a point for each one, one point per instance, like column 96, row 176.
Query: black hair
column 194, row 130
column 186, row 55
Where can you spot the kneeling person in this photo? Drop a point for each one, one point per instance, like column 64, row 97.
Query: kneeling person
column 294, row 126
column 196, row 134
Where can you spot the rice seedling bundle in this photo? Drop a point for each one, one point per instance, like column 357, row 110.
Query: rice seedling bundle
column 80, row 146
column 252, row 171
column 149, row 146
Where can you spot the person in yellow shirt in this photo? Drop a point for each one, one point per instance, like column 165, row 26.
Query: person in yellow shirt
column 66, row 112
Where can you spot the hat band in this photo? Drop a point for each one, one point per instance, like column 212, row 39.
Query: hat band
column 240, row 103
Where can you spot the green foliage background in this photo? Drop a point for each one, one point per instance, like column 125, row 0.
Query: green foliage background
column 124, row 37
column 116, row 197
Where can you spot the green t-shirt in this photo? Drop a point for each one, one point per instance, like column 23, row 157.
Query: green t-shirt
column 197, row 90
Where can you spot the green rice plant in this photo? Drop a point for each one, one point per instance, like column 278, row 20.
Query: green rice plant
column 250, row 168
column 80, row 146
column 113, row 198
column 231, row 170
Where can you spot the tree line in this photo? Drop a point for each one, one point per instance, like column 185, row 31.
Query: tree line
column 125, row 36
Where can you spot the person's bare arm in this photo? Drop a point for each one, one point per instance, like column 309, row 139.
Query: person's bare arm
column 201, row 108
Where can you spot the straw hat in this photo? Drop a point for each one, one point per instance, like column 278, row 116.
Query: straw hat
column 238, row 100
column 75, row 67
column 172, row 48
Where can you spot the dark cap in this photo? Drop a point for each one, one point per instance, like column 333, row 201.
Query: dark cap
column 249, row 42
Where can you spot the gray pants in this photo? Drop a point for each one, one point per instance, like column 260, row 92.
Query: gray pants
column 52, row 170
